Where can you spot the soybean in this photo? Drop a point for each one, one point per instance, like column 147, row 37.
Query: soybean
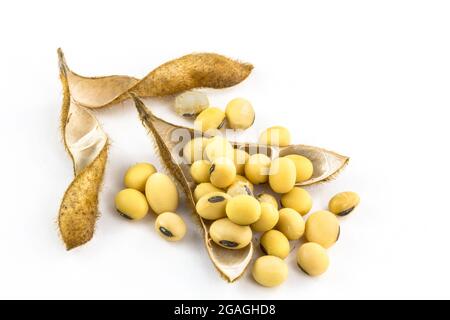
column 131, row 204
column 239, row 188
column 194, row 149
column 229, row 235
column 322, row 227
column 291, row 224
column 209, row 119
column 298, row 199
column 170, row 226
column 276, row 136
column 312, row 259
column 266, row 197
column 200, row 171
column 219, row 147
column 222, row 172
column 204, row 188
column 270, row 271
column 240, row 114
column 137, row 175
column 282, row 175
column 161, row 193
column 212, row 205
column 257, row 168
column 243, row 210
column 268, row 220
column 240, row 158
column 343, row 203
column 275, row 243
column 304, row 167
column 190, row 103
column 244, row 180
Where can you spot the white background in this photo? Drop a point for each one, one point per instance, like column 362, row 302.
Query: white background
column 368, row 79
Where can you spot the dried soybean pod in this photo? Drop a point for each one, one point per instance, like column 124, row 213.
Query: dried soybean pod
column 199, row 70
column 87, row 145
column 343, row 203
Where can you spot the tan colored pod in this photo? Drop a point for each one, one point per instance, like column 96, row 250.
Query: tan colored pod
column 212, row 205
column 240, row 114
column 291, row 224
column 137, row 175
column 170, row 226
column 282, row 175
column 298, row 199
column 219, row 147
column 266, row 197
column 343, row 203
column 275, row 243
column 229, row 235
column 161, row 193
column 312, row 259
column 240, row 158
column 200, row 171
column 276, row 136
column 303, row 167
column 204, row 188
column 243, row 209
column 190, row 103
column 257, row 168
column 239, row 188
column 194, row 149
column 222, row 172
column 270, row 271
column 131, row 204
column 268, row 220
column 322, row 227
column 209, row 119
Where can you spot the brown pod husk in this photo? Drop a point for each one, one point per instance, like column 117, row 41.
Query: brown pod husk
column 191, row 71
column 231, row 264
column 87, row 146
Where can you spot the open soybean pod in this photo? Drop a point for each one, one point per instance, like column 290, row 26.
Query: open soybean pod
column 198, row 70
column 231, row 264
column 87, row 143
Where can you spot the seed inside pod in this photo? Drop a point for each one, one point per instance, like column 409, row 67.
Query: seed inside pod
column 204, row 188
column 239, row 188
column 257, row 168
column 219, row 147
column 212, row 205
column 194, row 149
column 266, row 197
column 230, row 235
column 190, row 103
column 304, row 167
column 243, row 210
column 343, row 203
column 223, row 172
column 200, row 171
column 276, row 136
